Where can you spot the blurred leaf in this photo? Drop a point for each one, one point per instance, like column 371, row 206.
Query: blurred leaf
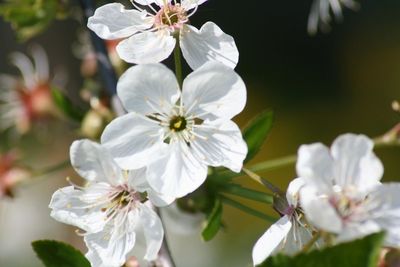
column 66, row 106
column 58, row 254
column 213, row 222
column 31, row 17
column 359, row 253
column 256, row 132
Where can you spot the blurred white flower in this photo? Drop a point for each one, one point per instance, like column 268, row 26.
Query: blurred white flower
column 342, row 192
column 111, row 209
column 289, row 234
column 26, row 99
column 153, row 33
column 178, row 134
column 320, row 14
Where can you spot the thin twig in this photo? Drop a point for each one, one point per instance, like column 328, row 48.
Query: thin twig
column 106, row 69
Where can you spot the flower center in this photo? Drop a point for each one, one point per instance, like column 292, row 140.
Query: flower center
column 346, row 206
column 178, row 124
column 172, row 16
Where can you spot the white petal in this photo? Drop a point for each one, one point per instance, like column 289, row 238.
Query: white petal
column 137, row 179
column 132, row 139
column 293, row 191
column 153, row 232
column 113, row 21
column 190, row 4
column 94, row 163
column 67, row 207
column 149, row 2
column 295, row 241
column 41, row 62
column 319, row 211
column 357, row 230
column 209, row 43
column 270, row 240
column 384, row 208
column 146, row 47
column 220, row 143
column 148, row 89
column 113, row 243
column 355, row 162
column 176, row 172
column 315, row 165
column 25, row 66
column 214, row 91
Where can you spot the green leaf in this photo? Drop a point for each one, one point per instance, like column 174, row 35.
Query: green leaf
column 359, row 253
column 66, row 106
column 256, row 132
column 31, row 17
column 58, row 254
column 213, row 222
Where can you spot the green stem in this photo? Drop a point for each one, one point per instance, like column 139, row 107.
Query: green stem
column 51, row 169
column 246, row 209
column 238, row 190
column 273, row 164
column 312, row 242
column 178, row 61
column 263, row 181
column 36, row 174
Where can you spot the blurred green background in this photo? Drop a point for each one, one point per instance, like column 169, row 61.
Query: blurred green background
column 319, row 87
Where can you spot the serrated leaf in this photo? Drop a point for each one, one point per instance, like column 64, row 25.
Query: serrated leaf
column 57, row 254
column 66, row 106
column 359, row 253
column 256, row 132
column 213, row 222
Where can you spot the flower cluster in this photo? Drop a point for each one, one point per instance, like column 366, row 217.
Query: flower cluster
column 339, row 193
column 156, row 27
column 162, row 148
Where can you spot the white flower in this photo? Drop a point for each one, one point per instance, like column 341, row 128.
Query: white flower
column 320, row 15
column 343, row 195
column 26, row 99
column 152, row 33
column 289, row 234
column 178, row 134
column 110, row 209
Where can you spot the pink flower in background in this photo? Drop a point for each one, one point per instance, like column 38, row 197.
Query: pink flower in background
column 10, row 174
column 26, row 99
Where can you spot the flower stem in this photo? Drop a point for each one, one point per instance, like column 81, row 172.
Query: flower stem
column 238, row 190
column 263, row 181
column 311, row 243
column 164, row 256
column 178, row 61
column 43, row 173
column 274, row 164
column 247, row 209
column 106, row 69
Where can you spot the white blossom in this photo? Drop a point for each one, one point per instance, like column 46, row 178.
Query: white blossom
column 111, row 208
column 320, row 14
column 289, row 234
column 178, row 134
column 151, row 32
column 342, row 192
column 27, row 98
